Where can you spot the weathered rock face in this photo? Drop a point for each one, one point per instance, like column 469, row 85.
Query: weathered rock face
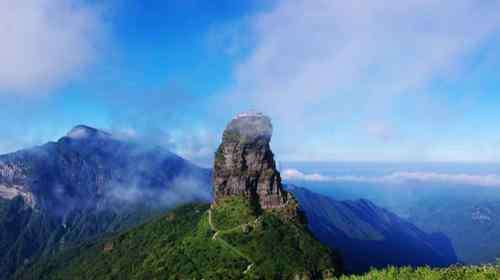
column 244, row 165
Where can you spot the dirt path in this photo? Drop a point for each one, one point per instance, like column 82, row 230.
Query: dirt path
column 249, row 267
column 210, row 220
column 226, row 244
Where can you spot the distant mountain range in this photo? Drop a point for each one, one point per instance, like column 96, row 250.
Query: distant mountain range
column 369, row 236
column 469, row 215
column 473, row 227
column 90, row 183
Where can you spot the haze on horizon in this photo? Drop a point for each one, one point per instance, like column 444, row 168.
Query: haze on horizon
column 358, row 81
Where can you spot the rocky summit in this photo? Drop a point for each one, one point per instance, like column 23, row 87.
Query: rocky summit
column 244, row 166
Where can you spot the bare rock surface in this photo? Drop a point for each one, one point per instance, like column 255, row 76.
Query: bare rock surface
column 244, row 165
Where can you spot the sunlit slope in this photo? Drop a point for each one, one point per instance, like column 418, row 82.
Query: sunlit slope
column 195, row 242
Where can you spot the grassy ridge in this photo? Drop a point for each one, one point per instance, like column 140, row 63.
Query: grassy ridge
column 277, row 249
column 182, row 244
column 175, row 246
column 232, row 212
column 426, row 273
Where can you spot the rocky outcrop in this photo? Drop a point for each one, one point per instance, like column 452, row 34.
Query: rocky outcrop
column 14, row 181
column 244, row 166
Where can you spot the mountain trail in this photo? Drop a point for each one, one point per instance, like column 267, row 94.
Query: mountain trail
column 226, row 244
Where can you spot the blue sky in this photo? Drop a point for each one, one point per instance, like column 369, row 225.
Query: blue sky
column 377, row 81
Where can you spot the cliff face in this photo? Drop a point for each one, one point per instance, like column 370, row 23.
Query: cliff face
column 244, row 166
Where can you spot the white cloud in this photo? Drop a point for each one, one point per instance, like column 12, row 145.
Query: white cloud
column 308, row 52
column 401, row 178
column 294, row 174
column 197, row 145
column 126, row 134
column 78, row 133
column 194, row 144
column 181, row 190
column 317, row 64
column 46, row 42
column 459, row 179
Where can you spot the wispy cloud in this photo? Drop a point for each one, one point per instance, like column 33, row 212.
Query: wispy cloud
column 183, row 189
column 194, row 144
column 428, row 177
column 313, row 65
column 307, row 53
column 401, row 178
column 294, row 174
column 46, row 42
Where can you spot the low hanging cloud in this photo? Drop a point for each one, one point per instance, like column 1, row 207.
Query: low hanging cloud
column 194, row 144
column 46, row 42
column 182, row 189
column 401, row 178
column 164, row 126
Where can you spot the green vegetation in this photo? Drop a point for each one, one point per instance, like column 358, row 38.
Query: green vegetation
column 177, row 245
column 233, row 211
column 193, row 242
column 275, row 248
column 426, row 273
column 26, row 235
column 281, row 249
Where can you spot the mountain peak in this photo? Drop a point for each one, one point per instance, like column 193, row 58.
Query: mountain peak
column 244, row 166
column 249, row 127
column 86, row 132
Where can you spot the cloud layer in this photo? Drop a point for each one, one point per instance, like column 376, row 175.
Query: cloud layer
column 400, row 178
column 46, row 42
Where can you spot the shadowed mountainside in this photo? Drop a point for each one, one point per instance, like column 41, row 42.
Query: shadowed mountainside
column 369, row 236
column 85, row 184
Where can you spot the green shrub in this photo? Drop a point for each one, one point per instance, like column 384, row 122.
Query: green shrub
column 425, row 273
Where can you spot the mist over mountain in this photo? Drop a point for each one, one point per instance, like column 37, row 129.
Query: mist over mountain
column 253, row 229
column 91, row 182
column 85, row 184
column 99, row 183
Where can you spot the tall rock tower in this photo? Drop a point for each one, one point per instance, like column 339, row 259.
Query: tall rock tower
column 244, row 166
